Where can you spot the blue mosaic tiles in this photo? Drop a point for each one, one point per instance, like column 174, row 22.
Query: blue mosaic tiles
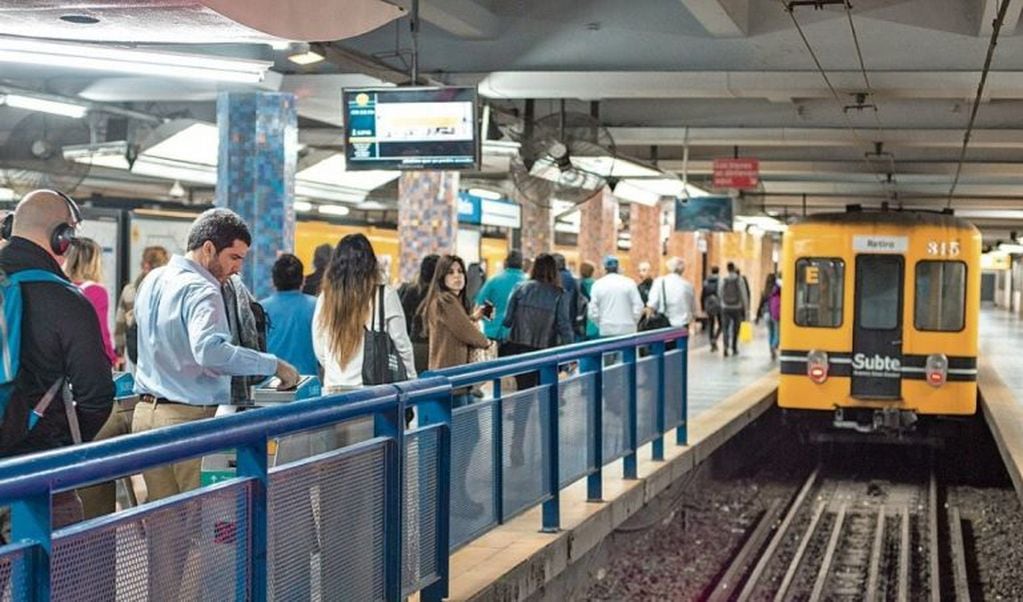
column 427, row 217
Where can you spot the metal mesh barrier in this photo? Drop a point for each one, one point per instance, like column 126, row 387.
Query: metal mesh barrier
column 472, row 472
column 673, row 375
column 575, row 445
column 190, row 547
column 524, row 450
column 326, row 526
column 419, row 529
column 616, row 415
column 646, row 399
column 14, row 572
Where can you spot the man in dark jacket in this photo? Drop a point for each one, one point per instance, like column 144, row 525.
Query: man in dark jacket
column 573, row 295
column 321, row 257
column 60, row 341
column 711, row 304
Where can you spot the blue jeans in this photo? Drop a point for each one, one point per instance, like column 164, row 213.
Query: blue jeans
column 772, row 332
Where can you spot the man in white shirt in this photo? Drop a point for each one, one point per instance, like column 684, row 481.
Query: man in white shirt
column 673, row 295
column 615, row 304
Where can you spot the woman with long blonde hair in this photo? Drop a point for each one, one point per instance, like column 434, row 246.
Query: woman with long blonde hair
column 345, row 309
column 83, row 264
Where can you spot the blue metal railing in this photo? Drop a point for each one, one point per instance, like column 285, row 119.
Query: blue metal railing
column 506, row 450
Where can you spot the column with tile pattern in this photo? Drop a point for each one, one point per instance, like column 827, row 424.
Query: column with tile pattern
column 598, row 230
column 427, row 217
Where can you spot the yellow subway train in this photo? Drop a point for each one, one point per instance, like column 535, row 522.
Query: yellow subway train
column 879, row 318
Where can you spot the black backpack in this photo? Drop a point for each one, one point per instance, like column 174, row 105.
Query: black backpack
column 730, row 293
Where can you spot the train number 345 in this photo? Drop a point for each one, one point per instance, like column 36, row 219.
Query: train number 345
column 943, row 249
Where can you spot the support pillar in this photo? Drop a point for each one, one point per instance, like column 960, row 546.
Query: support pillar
column 598, row 230
column 645, row 234
column 537, row 228
column 427, row 218
column 258, row 134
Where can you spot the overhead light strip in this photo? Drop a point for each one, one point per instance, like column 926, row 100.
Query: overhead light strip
column 126, row 60
column 34, row 103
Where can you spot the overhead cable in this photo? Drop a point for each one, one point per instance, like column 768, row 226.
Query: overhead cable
column 996, row 28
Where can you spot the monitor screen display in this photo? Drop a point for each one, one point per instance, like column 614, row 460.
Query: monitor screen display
column 704, row 213
column 411, row 128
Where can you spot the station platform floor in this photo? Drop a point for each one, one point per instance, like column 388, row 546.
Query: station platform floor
column 515, row 559
column 1000, row 380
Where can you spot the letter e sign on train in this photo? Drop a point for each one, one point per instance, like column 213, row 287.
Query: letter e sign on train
column 736, row 173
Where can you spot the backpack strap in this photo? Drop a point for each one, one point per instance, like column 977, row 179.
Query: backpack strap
column 380, row 308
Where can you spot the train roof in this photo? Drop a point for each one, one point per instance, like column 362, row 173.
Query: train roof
column 897, row 218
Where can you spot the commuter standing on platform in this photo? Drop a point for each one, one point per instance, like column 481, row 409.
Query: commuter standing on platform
column 673, row 295
column 574, row 296
column 711, row 303
column 412, row 295
column 61, row 344
column 615, row 304
column 646, row 280
column 496, row 292
column 321, row 257
column 186, row 357
column 125, row 335
column 734, row 308
column 586, row 280
column 289, row 314
column 84, row 266
column 770, row 310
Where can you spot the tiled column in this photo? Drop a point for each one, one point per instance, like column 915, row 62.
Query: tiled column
column 598, row 234
column 684, row 245
column 645, row 234
column 427, row 218
column 256, row 175
column 537, row 228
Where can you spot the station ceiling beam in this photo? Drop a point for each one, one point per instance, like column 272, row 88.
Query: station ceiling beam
column 721, row 18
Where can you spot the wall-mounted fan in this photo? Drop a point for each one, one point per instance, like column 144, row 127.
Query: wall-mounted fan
column 32, row 156
column 565, row 155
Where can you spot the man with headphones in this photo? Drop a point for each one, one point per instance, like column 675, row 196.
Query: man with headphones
column 60, row 339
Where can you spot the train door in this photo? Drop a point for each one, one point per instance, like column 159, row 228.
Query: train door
column 877, row 327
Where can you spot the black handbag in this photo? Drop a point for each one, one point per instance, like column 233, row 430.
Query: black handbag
column 381, row 363
column 657, row 319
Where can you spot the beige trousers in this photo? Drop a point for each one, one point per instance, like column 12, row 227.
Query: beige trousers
column 101, row 499
column 165, row 481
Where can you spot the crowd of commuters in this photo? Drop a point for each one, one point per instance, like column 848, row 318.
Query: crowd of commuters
column 195, row 337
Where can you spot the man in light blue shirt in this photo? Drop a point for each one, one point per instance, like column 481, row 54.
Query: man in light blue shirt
column 289, row 312
column 497, row 291
column 185, row 354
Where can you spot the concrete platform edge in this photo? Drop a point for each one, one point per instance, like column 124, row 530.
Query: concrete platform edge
column 1003, row 413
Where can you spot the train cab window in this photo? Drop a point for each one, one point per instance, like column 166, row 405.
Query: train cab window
column 940, row 296
column 820, row 286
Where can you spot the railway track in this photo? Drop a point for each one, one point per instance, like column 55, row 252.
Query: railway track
column 847, row 538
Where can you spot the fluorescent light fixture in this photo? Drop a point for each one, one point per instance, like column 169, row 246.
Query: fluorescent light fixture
column 1011, row 248
column 500, row 148
column 280, row 44
column 617, row 167
column 99, row 57
column 196, row 143
column 629, row 190
column 6, row 194
column 766, row 223
column 485, row 193
column 35, row 103
column 305, row 58
column 302, row 206
column 371, row 206
column 339, row 210
column 330, row 172
column 566, row 227
column 170, row 169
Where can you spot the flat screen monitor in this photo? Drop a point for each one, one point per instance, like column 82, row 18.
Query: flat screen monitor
column 411, row 128
column 712, row 213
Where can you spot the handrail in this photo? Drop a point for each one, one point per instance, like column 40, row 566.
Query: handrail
column 80, row 465
column 472, row 373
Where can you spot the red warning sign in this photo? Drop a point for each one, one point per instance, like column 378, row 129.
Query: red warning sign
column 736, row 173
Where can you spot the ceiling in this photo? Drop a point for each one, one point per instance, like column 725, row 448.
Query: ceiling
column 721, row 77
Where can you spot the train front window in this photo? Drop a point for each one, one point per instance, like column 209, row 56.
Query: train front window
column 820, row 285
column 879, row 278
column 940, row 296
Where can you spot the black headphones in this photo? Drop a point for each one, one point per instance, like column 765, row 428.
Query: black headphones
column 62, row 235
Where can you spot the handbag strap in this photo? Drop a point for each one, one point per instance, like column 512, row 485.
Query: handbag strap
column 664, row 298
column 380, row 308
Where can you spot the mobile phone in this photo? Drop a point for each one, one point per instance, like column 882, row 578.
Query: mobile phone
column 488, row 309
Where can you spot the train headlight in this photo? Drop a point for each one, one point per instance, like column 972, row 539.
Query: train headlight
column 937, row 369
column 817, row 366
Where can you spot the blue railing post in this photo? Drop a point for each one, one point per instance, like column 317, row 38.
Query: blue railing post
column 252, row 462
column 682, row 432
column 593, row 364
column 658, row 444
column 31, row 521
column 437, row 410
column 630, row 465
column 497, row 451
column 552, row 507
column 391, row 424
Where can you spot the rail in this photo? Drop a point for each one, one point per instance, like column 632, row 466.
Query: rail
column 327, row 522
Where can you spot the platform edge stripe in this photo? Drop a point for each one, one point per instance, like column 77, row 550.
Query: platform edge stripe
column 1003, row 413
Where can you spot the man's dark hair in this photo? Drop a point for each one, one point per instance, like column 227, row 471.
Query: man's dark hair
column 513, row 260
column 287, row 272
column 545, row 269
column 426, row 269
column 715, row 270
column 559, row 260
column 219, row 226
column 321, row 257
column 731, row 266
